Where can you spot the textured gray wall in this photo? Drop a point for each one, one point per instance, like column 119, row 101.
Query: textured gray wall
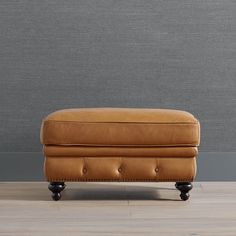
column 150, row 53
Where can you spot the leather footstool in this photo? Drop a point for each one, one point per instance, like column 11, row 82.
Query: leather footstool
column 120, row 144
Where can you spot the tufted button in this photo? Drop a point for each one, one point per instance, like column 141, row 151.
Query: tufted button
column 157, row 169
column 84, row 170
column 120, row 169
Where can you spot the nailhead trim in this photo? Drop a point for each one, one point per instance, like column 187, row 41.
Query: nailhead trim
column 118, row 180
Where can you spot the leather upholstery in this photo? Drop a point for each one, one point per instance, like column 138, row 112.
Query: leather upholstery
column 120, row 144
column 120, row 169
column 120, row 127
column 79, row 151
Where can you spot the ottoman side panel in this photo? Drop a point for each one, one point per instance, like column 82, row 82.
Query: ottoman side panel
column 120, row 169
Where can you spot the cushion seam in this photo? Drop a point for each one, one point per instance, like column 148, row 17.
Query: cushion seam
column 124, row 145
column 123, row 122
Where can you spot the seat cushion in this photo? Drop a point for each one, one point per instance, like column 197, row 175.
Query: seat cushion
column 120, row 127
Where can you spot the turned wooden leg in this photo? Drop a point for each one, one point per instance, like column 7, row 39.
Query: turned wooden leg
column 56, row 188
column 184, row 188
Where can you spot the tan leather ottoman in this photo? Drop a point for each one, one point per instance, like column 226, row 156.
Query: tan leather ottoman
column 120, row 144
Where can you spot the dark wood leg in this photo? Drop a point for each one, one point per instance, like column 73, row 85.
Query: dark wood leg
column 56, row 188
column 184, row 188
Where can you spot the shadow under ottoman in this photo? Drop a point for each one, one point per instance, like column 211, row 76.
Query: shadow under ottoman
column 120, row 144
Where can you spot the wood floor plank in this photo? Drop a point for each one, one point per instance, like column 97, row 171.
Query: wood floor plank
column 117, row 209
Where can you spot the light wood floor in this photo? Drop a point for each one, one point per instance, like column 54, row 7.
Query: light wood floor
column 118, row 209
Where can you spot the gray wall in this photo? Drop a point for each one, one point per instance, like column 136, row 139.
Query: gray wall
column 133, row 53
